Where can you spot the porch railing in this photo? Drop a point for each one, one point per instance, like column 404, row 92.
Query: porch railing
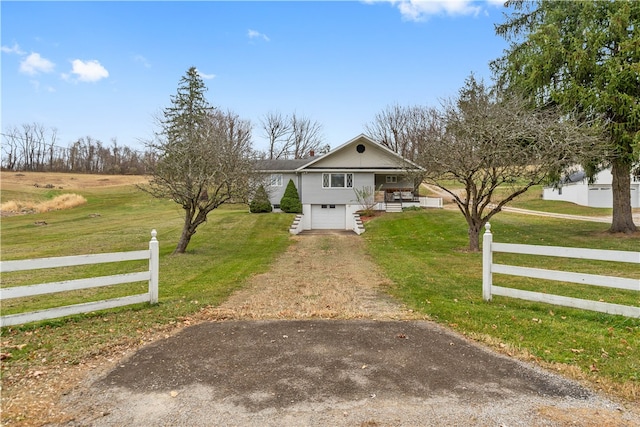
column 398, row 195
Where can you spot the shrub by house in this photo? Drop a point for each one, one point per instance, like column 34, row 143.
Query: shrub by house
column 260, row 202
column 290, row 201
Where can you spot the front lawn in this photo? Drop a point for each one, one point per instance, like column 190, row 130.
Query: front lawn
column 229, row 248
column 425, row 254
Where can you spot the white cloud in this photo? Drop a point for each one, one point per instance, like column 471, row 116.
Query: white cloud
column 253, row 34
column 205, row 76
column 13, row 49
column 34, row 64
column 37, row 87
column 142, row 60
column 420, row 10
column 88, row 71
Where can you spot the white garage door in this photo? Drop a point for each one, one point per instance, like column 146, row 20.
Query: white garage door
column 328, row 217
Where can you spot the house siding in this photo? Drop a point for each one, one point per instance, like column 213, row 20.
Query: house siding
column 276, row 192
column 596, row 195
column 315, row 194
column 350, row 158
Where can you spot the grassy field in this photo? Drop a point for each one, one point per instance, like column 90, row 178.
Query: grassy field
column 532, row 200
column 423, row 252
column 229, row 248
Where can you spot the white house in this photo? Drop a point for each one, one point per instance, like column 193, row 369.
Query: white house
column 326, row 183
column 575, row 188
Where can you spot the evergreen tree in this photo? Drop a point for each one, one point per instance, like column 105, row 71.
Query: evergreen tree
column 260, row 202
column 584, row 57
column 290, row 201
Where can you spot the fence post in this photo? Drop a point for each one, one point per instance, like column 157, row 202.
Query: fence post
column 487, row 260
column 154, row 267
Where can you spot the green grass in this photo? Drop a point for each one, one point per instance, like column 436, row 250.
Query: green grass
column 532, row 200
column 230, row 247
column 425, row 254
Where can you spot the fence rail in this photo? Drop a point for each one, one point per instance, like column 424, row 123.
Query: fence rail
column 489, row 268
column 431, row 202
column 152, row 254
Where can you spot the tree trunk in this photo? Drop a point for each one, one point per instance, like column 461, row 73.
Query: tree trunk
column 474, row 236
column 621, row 186
column 185, row 237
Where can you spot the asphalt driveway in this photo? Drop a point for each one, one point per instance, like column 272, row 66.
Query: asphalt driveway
column 329, row 373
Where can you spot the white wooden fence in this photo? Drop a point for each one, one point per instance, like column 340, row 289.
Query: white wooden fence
column 489, row 268
column 431, row 202
column 152, row 254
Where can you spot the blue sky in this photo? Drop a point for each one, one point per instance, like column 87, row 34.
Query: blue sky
column 106, row 69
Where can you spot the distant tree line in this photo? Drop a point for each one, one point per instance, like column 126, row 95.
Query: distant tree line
column 34, row 147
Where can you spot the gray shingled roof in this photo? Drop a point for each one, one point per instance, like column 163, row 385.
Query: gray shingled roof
column 282, row 165
column 574, row 177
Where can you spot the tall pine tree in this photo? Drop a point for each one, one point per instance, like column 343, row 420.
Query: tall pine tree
column 583, row 56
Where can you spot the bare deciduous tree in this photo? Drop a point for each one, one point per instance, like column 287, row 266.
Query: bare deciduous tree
column 390, row 128
column 30, row 147
column 276, row 129
column 496, row 149
column 204, row 156
column 306, row 136
column 33, row 147
column 10, row 146
column 401, row 129
column 292, row 137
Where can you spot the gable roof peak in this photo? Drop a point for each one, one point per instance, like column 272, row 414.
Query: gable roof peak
column 360, row 138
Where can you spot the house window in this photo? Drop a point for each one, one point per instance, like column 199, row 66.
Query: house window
column 337, row 180
column 276, row 180
column 392, row 179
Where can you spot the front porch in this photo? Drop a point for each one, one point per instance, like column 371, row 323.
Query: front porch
column 400, row 195
column 395, row 199
column 397, row 192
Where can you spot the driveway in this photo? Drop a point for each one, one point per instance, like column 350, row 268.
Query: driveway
column 316, row 342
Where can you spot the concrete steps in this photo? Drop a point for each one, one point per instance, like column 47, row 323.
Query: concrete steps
column 393, row 207
column 358, row 227
column 296, row 226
